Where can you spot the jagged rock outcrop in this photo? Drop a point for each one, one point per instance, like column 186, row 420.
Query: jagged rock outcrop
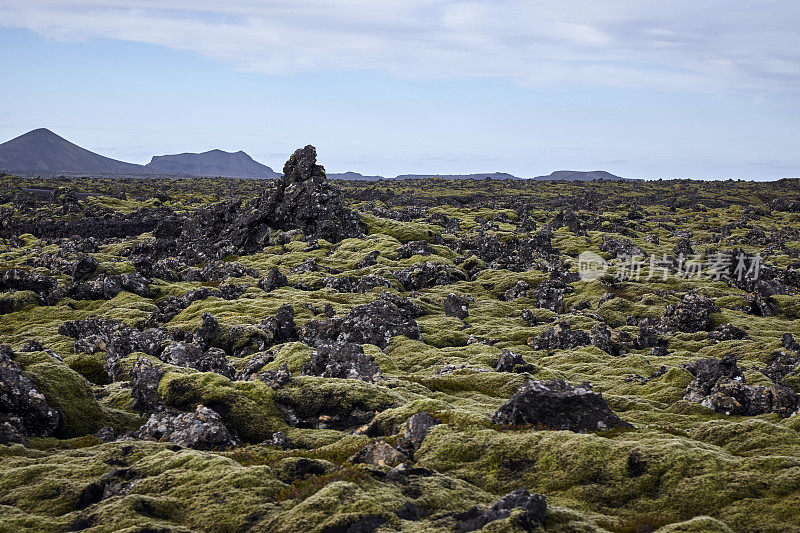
column 273, row 280
column 560, row 337
column 414, row 431
column 355, row 284
column 512, row 362
column 302, row 199
column 719, row 384
column 428, row 274
column 691, row 314
column 374, row 323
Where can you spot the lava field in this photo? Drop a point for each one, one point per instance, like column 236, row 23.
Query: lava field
column 398, row 355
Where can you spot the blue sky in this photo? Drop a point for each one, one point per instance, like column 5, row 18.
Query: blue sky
column 642, row 89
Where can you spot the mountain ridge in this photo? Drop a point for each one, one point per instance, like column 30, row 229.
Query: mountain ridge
column 43, row 152
column 473, row 176
column 214, row 162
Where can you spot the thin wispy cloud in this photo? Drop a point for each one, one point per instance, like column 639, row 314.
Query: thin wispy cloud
column 699, row 45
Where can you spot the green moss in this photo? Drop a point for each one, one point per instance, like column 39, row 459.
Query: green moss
column 89, row 366
column 68, row 392
column 248, row 407
column 311, row 396
column 443, row 331
column 592, row 472
column 402, row 231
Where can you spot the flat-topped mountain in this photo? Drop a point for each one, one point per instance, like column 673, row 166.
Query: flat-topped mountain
column 211, row 163
column 478, row 176
column 43, row 152
column 578, row 175
column 352, row 176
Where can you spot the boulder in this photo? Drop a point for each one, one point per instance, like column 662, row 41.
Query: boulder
column 557, row 405
column 276, row 378
column 532, row 510
column 355, row 284
column 144, row 379
column 190, row 355
column 719, row 384
column 621, row 248
column 254, row 365
column 560, row 337
column 691, row 314
column 202, row 429
column 549, row 294
column 374, row 323
column 512, row 362
column 345, row 360
column 519, row 290
column 379, row 453
column 566, row 218
column 414, row 431
column 281, row 327
column 428, row 274
column 413, row 248
column 726, row 332
column 24, row 411
column 84, row 266
column 273, row 280
column 19, row 279
column 457, row 306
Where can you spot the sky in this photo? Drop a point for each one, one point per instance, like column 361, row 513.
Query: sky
column 705, row 89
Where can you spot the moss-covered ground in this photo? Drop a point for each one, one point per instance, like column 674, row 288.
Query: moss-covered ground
column 684, row 468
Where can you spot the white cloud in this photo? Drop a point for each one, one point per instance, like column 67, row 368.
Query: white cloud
column 677, row 45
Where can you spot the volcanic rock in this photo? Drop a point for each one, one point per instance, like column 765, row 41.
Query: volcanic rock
column 560, row 337
column 692, row 314
column 345, row 360
column 533, row 508
column 23, row 409
column 302, row 199
column 413, row 248
column 374, row 323
column 720, row 385
column 379, row 453
column 202, row 429
column 144, row 378
column 513, row 362
column 457, row 306
column 428, row 274
column 557, row 405
column 414, row 432
column 273, row 280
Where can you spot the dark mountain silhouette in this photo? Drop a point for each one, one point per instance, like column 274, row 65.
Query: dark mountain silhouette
column 577, row 175
column 479, row 176
column 352, row 176
column 43, row 152
column 211, row 163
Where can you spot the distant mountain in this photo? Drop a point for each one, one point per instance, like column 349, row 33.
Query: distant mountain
column 42, row 152
column 352, row 176
column 577, row 175
column 211, row 163
column 480, row 176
